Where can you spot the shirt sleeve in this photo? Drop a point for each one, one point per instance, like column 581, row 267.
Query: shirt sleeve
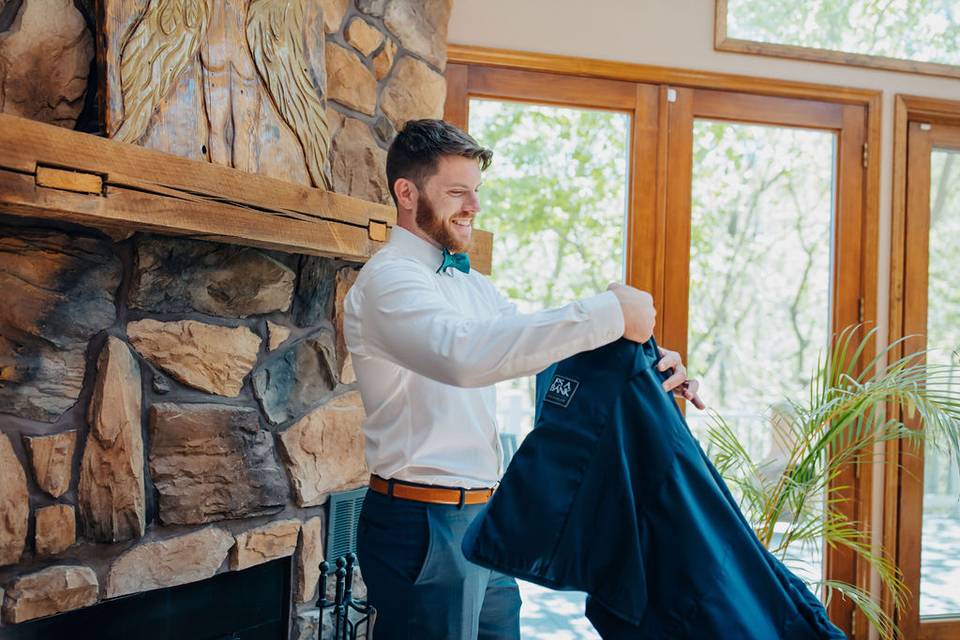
column 407, row 321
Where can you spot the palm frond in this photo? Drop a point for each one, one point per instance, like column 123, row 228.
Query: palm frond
column 871, row 609
column 848, row 410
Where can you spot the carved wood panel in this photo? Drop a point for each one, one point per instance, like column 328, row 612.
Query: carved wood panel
column 240, row 83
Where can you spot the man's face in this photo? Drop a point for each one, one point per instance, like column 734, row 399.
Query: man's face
column 448, row 203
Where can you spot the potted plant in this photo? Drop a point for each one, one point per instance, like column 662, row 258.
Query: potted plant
column 795, row 498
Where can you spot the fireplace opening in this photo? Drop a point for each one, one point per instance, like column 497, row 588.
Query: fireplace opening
column 253, row 604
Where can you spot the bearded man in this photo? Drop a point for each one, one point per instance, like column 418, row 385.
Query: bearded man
column 429, row 338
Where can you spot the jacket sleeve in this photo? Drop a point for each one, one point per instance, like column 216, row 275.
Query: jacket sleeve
column 405, row 320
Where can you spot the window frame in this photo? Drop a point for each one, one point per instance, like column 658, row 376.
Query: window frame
column 564, row 80
column 723, row 42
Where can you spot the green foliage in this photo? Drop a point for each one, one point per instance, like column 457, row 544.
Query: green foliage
column 555, row 198
column 759, row 258
column 845, row 414
column 922, row 30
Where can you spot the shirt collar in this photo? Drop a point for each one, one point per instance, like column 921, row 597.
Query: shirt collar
column 415, row 247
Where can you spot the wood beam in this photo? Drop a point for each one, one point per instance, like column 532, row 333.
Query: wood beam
column 54, row 173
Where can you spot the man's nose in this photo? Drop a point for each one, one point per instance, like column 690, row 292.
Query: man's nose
column 473, row 203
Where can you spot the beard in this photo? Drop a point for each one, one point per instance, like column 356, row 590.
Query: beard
column 432, row 225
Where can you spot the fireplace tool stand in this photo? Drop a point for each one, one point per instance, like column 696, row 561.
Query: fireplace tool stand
column 343, row 607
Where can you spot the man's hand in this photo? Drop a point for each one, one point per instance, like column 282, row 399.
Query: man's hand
column 678, row 382
column 639, row 316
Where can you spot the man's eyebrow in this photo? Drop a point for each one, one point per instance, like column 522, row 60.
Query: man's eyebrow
column 461, row 185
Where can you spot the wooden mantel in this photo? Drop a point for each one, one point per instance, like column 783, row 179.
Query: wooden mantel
column 54, row 173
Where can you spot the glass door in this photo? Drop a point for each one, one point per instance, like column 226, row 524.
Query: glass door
column 762, row 252
column 929, row 526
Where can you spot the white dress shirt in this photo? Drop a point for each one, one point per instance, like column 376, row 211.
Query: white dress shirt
column 427, row 349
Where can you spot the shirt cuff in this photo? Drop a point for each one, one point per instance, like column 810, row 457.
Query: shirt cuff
column 607, row 315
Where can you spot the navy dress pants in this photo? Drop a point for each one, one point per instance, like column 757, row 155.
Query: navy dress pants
column 420, row 582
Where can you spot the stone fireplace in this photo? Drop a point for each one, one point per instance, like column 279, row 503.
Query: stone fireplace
column 176, row 399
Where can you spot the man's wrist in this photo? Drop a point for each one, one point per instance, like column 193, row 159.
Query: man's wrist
column 606, row 312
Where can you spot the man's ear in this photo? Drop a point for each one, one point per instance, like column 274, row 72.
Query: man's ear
column 407, row 193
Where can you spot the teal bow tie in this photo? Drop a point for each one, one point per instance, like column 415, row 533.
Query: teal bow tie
column 460, row 261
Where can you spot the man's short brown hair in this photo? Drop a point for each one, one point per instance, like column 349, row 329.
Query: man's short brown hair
column 417, row 149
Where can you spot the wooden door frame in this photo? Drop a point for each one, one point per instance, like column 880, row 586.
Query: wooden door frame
column 649, row 189
column 903, row 487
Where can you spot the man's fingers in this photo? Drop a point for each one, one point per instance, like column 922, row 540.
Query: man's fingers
column 688, row 390
column 678, row 382
column 670, row 360
column 678, row 378
column 697, row 402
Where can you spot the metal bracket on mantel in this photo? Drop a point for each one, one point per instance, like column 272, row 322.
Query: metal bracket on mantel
column 54, row 173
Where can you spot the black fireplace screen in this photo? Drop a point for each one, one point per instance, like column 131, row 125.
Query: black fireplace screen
column 243, row 605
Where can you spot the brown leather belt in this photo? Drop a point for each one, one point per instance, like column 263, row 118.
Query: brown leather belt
column 432, row 494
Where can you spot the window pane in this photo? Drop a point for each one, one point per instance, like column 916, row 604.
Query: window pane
column 555, row 199
column 940, row 550
column 918, row 30
column 760, row 289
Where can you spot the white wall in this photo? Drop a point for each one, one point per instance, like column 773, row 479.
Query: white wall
column 679, row 33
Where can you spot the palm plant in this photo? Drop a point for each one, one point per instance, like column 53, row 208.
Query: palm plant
column 846, row 414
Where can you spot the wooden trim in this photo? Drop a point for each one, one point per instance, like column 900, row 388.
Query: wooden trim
column 780, row 112
column 946, row 137
column 645, row 177
column 673, row 315
column 632, row 72
column 723, row 42
column 542, row 88
column 933, row 110
column 481, row 251
column 848, row 291
column 870, row 470
column 719, row 22
column 663, row 190
column 893, row 450
column 940, row 629
column 456, row 108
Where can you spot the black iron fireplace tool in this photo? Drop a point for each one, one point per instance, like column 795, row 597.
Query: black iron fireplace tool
column 352, row 619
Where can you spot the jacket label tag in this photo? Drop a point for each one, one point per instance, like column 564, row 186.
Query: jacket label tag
column 561, row 391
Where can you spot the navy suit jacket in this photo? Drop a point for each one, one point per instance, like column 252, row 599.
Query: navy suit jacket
column 611, row 494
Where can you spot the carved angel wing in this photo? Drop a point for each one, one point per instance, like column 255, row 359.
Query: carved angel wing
column 275, row 32
column 161, row 46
